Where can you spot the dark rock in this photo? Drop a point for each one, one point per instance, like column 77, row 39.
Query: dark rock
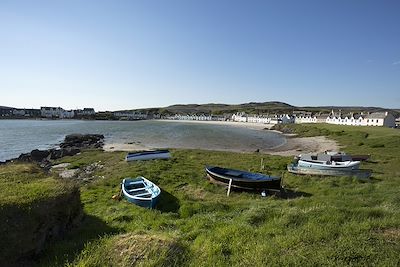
column 26, row 157
column 59, row 153
column 39, row 155
column 83, row 141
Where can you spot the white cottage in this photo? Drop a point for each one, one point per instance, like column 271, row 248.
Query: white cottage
column 380, row 119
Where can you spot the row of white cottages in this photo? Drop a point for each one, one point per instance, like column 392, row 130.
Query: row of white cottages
column 275, row 119
column 373, row 119
column 58, row 112
column 201, row 117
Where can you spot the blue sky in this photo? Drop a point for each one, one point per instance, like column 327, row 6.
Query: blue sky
column 114, row 55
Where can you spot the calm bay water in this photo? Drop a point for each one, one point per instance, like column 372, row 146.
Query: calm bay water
column 21, row 136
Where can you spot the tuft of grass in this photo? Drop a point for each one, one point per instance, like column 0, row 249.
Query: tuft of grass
column 132, row 249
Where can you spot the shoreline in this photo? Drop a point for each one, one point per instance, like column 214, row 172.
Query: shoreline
column 293, row 145
column 248, row 125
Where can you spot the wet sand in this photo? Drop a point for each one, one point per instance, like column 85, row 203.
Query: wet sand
column 293, row 146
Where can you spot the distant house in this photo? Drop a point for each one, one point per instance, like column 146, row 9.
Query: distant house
column 264, row 119
column 322, row 118
column 130, row 115
column 85, row 112
column 32, row 112
column 67, row 114
column 18, row 112
column 306, row 119
column 373, row 119
column 380, row 119
column 5, row 112
column 286, row 118
column 51, row 112
column 239, row 117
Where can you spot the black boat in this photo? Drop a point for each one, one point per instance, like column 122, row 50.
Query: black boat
column 243, row 179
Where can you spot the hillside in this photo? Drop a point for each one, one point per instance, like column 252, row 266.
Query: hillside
column 257, row 107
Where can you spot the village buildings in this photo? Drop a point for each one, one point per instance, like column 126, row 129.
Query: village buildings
column 385, row 119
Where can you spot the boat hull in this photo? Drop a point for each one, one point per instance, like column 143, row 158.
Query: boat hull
column 148, row 155
column 264, row 182
column 141, row 192
column 348, row 165
column 293, row 168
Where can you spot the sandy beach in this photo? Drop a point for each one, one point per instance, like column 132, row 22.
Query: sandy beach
column 293, row 146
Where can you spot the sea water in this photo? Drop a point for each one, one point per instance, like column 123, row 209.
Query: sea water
column 21, row 136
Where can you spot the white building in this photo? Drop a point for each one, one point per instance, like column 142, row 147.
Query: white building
column 67, row 114
column 202, row 117
column 373, row 119
column 380, row 119
column 51, row 112
column 131, row 115
column 239, row 117
column 306, row 119
column 18, row 112
column 85, row 112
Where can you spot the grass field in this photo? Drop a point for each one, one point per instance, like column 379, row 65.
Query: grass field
column 322, row 221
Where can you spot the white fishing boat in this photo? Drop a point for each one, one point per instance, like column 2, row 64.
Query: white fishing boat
column 310, row 162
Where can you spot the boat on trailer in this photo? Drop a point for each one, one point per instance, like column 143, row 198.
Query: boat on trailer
column 148, row 155
column 140, row 191
column 243, row 180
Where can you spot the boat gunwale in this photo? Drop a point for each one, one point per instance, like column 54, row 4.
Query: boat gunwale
column 272, row 178
column 140, row 198
column 360, row 173
column 143, row 153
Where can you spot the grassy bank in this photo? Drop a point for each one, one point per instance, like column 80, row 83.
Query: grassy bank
column 322, row 221
column 34, row 208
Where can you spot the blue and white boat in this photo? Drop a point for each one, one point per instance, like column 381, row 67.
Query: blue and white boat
column 322, row 164
column 148, row 155
column 140, row 191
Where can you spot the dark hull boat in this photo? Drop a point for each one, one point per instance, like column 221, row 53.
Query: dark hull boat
column 243, row 179
column 148, row 155
column 140, row 191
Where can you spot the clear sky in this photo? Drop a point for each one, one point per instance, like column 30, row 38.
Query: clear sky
column 118, row 54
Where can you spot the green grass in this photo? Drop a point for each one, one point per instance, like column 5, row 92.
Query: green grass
column 31, row 203
column 22, row 184
column 324, row 221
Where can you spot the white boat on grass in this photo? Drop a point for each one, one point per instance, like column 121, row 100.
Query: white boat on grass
column 310, row 162
column 148, row 155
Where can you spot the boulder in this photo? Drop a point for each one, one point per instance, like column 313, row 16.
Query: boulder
column 83, row 141
column 39, row 155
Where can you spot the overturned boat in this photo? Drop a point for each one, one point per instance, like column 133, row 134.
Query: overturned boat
column 148, row 155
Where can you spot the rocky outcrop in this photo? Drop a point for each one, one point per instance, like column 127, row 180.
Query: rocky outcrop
column 72, row 145
column 83, row 141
